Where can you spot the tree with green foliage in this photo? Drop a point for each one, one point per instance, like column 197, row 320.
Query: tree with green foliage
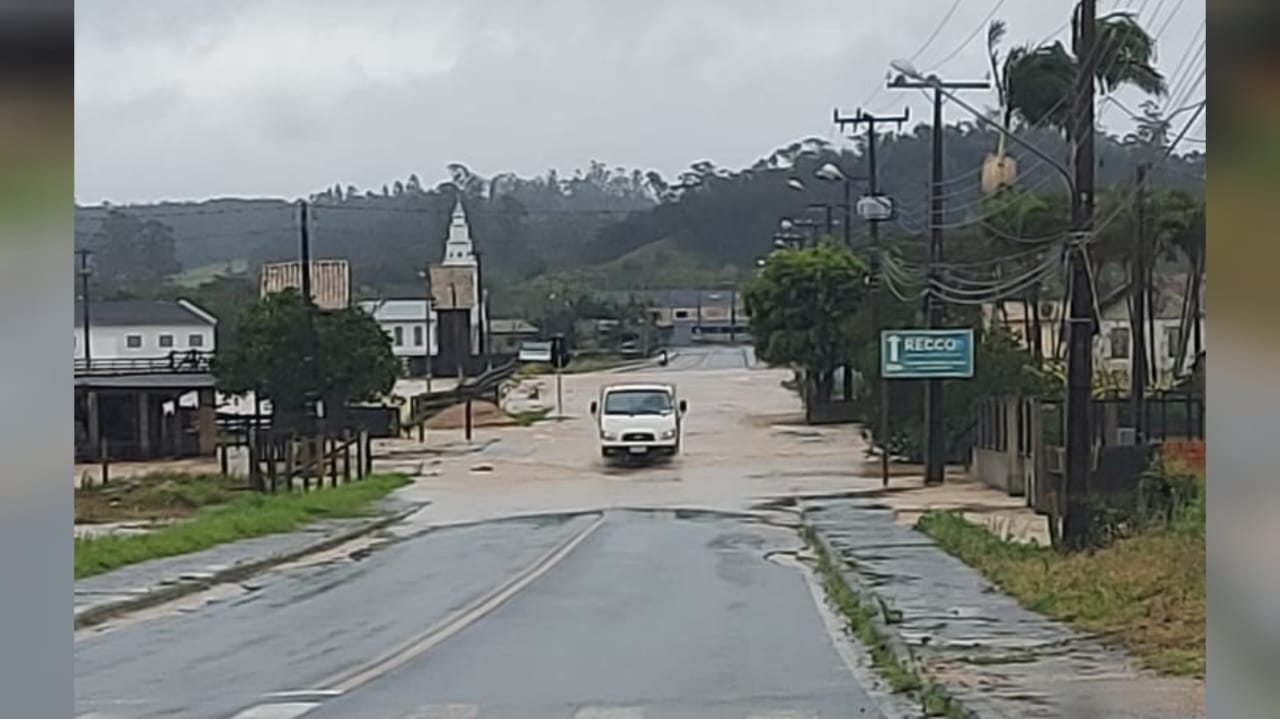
column 802, row 306
column 352, row 359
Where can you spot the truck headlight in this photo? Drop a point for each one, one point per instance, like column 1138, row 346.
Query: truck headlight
column 669, row 434
column 608, row 436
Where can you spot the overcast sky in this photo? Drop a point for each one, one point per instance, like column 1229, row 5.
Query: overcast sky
column 191, row 99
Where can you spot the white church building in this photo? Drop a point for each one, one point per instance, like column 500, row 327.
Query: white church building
column 428, row 336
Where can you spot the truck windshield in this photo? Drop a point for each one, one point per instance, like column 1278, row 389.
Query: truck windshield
column 637, row 401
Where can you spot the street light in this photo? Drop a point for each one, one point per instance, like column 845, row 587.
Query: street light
column 829, row 171
column 907, row 68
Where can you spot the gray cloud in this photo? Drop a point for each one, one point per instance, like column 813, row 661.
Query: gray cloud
column 181, row 98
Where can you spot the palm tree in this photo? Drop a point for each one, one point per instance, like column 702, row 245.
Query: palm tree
column 1037, row 85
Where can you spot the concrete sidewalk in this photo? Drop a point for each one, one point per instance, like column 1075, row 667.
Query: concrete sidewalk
column 998, row 659
column 145, row 584
column 1007, row 517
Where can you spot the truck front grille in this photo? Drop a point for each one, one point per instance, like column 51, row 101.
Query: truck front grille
column 638, row 437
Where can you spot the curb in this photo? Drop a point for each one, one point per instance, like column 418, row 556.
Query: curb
column 103, row 612
column 901, row 650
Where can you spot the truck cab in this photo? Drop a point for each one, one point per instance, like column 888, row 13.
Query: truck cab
column 639, row 420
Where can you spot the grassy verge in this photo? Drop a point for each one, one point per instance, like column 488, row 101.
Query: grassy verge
column 860, row 614
column 155, row 496
column 250, row 515
column 1147, row 591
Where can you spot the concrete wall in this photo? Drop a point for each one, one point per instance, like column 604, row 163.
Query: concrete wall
column 1002, row 462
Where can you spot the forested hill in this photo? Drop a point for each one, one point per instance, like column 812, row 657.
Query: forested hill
column 709, row 217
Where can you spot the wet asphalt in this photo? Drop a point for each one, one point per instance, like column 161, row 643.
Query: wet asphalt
column 650, row 615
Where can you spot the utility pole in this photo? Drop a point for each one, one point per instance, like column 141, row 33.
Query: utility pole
column 1138, row 305
column 482, row 312
column 935, row 444
column 83, row 274
column 309, row 330
column 1080, row 330
column 877, row 259
column 848, row 213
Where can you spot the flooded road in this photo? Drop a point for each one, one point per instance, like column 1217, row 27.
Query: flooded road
column 537, row 582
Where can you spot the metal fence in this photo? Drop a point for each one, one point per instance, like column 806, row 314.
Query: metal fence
column 1165, row 416
column 188, row 362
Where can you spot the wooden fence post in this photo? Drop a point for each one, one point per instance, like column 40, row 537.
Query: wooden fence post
column 346, row 455
column 367, row 440
column 333, row 461
column 272, row 449
column 468, row 422
column 104, row 454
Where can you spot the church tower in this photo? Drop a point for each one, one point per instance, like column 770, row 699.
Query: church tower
column 460, row 314
column 458, row 250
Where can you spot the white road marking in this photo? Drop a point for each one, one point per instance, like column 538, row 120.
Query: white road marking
column 464, row 618
column 609, row 713
column 284, row 710
column 303, row 693
column 444, row 711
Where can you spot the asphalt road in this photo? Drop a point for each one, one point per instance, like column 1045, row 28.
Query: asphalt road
column 623, row 615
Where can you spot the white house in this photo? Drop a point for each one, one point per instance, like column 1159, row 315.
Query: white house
column 1113, row 350
column 142, row 330
column 407, row 323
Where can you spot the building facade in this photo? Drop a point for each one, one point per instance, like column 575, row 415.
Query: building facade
column 143, row 382
column 142, row 331
column 410, row 326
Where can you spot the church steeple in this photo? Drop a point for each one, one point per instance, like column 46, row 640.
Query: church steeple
column 458, row 249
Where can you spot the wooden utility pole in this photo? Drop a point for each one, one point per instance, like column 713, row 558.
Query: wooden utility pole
column 877, row 259
column 935, row 441
column 84, row 273
column 1076, row 522
column 1138, row 309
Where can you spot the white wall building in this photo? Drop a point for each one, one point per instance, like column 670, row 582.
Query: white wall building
column 142, row 330
column 406, row 322
column 1113, row 350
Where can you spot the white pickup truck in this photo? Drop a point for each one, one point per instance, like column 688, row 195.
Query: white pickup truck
column 639, row 420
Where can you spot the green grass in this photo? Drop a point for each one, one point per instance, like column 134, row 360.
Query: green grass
column 859, row 615
column 155, row 496
column 1146, row 591
column 253, row 515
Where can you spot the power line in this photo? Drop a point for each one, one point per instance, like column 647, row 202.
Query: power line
column 961, row 47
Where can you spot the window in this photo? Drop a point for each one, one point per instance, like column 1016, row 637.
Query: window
column 417, row 336
column 682, row 314
column 635, row 402
column 399, row 336
column 133, row 342
column 1120, row 343
column 195, row 340
column 1171, row 338
column 166, row 341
